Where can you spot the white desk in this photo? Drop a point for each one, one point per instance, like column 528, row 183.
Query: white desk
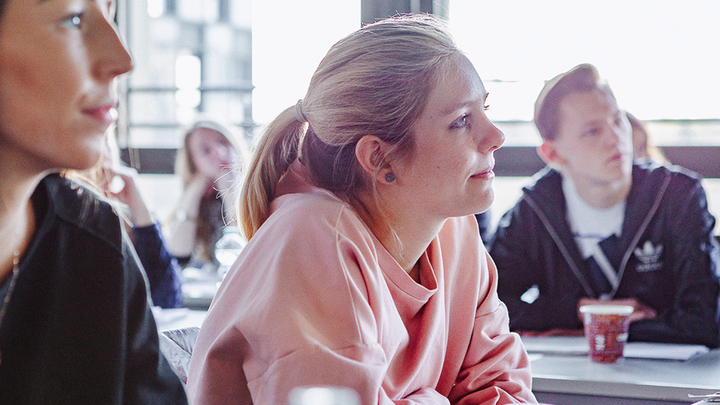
column 199, row 288
column 575, row 379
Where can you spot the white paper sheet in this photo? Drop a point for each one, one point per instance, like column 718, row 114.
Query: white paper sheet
column 577, row 345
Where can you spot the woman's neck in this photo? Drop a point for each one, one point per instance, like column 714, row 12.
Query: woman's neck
column 405, row 235
column 19, row 176
column 17, row 224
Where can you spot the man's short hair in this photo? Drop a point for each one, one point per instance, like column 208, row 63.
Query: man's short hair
column 579, row 79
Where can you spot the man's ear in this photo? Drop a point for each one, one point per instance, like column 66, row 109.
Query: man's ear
column 370, row 153
column 549, row 154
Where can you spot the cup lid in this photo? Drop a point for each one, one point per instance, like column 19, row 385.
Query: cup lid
column 607, row 309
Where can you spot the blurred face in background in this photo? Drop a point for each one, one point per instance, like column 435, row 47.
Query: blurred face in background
column 594, row 141
column 211, row 153
column 58, row 62
column 640, row 146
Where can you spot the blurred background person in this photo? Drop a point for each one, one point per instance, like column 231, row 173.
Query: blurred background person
column 642, row 144
column 595, row 227
column 76, row 326
column 209, row 163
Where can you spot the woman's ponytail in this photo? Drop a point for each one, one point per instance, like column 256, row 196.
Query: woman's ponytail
column 276, row 150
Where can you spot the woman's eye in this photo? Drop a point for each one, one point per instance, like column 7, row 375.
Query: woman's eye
column 592, row 131
column 73, row 21
column 461, row 122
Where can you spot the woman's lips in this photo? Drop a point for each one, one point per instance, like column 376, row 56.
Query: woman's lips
column 487, row 174
column 106, row 114
column 616, row 157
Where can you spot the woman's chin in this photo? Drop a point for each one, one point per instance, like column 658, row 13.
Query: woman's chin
column 485, row 201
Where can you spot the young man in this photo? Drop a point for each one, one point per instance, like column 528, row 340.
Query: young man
column 594, row 227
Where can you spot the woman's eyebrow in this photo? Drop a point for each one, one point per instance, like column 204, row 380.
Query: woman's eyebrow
column 464, row 104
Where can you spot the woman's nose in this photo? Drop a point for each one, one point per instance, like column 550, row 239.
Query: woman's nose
column 222, row 152
column 111, row 57
column 491, row 137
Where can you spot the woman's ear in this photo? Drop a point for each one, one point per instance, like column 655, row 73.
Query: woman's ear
column 370, row 153
column 548, row 152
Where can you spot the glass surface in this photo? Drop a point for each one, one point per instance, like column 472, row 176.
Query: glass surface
column 192, row 58
column 659, row 57
column 198, row 10
column 147, row 137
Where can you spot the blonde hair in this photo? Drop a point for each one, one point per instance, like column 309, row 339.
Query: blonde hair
column 375, row 82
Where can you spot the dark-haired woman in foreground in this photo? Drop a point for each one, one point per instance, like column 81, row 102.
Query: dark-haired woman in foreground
column 75, row 324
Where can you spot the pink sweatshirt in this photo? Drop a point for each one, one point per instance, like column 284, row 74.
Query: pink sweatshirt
column 315, row 299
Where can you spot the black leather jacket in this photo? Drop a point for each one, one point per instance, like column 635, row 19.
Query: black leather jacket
column 78, row 328
column 667, row 258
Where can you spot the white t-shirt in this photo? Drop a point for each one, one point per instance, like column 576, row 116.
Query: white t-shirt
column 590, row 226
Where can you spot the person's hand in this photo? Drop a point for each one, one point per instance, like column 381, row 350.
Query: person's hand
column 189, row 204
column 196, row 189
column 641, row 311
column 120, row 184
column 551, row 332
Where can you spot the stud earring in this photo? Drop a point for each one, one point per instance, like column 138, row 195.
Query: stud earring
column 390, row 177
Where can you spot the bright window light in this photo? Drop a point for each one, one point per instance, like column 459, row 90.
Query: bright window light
column 187, row 72
column 155, row 8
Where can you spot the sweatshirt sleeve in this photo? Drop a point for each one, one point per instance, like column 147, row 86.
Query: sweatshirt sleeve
column 496, row 369
column 161, row 268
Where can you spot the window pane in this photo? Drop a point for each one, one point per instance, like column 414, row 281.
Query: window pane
column 660, row 57
column 226, row 106
column 152, row 108
column 240, row 15
column 198, row 10
column 142, row 137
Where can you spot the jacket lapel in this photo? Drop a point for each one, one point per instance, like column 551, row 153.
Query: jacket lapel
column 548, row 202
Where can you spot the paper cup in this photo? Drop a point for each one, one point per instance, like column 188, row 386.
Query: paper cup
column 606, row 329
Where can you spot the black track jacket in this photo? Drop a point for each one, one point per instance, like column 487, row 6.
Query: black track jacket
column 667, row 257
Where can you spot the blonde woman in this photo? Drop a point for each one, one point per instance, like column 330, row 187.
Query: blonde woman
column 364, row 267
column 208, row 163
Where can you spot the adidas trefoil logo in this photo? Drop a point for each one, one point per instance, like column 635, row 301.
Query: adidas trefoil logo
column 649, row 257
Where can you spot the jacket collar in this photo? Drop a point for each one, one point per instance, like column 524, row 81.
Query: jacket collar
column 70, row 202
column 645, row 192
